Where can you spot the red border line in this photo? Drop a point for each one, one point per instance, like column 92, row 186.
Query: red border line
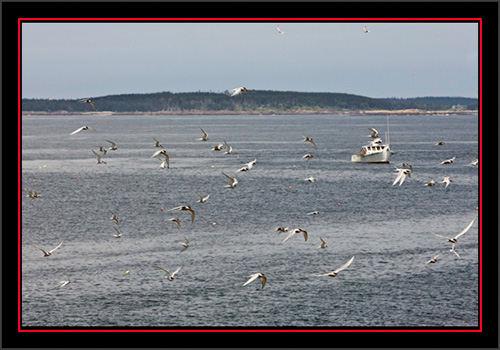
column 479, row 20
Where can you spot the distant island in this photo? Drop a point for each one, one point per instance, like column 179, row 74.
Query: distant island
column 254, row 102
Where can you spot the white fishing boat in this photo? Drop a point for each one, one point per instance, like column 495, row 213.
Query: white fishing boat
column 375, row 151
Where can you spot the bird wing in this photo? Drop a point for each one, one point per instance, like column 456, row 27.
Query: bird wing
column 344, row 266
column 112, row 143
column 161, row 268
column 77, row 131
column 465, row 229
column 192, row 214
column 157, row 153
column 264, row 280
column 60, row 244
column 454, row 251
column 289, row 235
column 231, row 179
column 435, row 234
column 177, row 270
column 304, row 232
column 204, row 133
column 44, row 252
column 118, row 233
column 235, row 91
column 97, row 155
column 400, row 174
column 252, row 277
column 374, row 132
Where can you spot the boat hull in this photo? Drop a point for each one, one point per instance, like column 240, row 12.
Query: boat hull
column 378, row 157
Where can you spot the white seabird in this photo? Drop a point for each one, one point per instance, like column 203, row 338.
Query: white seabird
column 113, row 145
column 280, row 31
column 238, row 91
column 323, row 244
column 433, row 260
column 447, row 181
column 203, row 199
column 447, row 161
column 168, row 275
column 454, row 239
column 48, row 253
column 176, row 221
column 430, row 183
column 163, row 153
column 402, row 173
column 281, row 229
column 374, row 133
column 232, row 181
column 81, row 129
column 185, row 208
column 310, row 179
column 64, row 283
column 229, row 149
column 118, row 234
column 309, row 139
column 475, row 161
column 254, row 277
column 99, row 161
column 335, row 273
column 32, row 194
column 308, row 156
column 204, row 137
column 157, row 143
column 297, row 230
column 185, row 244
column 366, row 30
column 248, row 166
column 88, row 100
column 114, row 218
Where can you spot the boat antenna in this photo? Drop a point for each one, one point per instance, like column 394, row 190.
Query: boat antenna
column 388, row 139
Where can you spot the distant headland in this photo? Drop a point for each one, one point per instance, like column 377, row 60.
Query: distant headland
column 255, row 102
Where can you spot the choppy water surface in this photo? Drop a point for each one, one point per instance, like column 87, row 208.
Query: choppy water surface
column 387, row 228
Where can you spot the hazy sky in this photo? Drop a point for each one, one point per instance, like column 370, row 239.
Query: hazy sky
column 77, row 60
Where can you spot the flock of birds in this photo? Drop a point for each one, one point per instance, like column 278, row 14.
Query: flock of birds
column 404, row 171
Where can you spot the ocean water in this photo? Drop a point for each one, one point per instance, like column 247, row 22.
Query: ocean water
column 387, row 228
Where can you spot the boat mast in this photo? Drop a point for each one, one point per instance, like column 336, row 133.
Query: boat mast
column 388, row 139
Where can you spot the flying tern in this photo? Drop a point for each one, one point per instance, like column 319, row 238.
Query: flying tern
column 238, row 91
column 48, row 253
column 157, row 143
column 32, row 194
column 297, row 230
column 254, row 277
column 185, row 208
column 335, row 273
column 178, row 223
column 204, row 137
column 113, row 145
column 118, row 234
column 308, row 156
column 309, row 139
column 447, row 181
column 232, row 181
column 88, row 100
column 280, row 31
column 99, row 161
column 447, row 161
column 433, row 260
column 168, row 275
column 185, row 244
column 81, row 129
column 323, row 244
column 402, row 173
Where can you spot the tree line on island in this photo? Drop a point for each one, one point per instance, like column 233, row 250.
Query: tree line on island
column 261, row 101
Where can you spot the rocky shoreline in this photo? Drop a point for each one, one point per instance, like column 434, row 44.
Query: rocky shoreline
column 268, row 112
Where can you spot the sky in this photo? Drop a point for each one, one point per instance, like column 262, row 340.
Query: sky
column 85, row 60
